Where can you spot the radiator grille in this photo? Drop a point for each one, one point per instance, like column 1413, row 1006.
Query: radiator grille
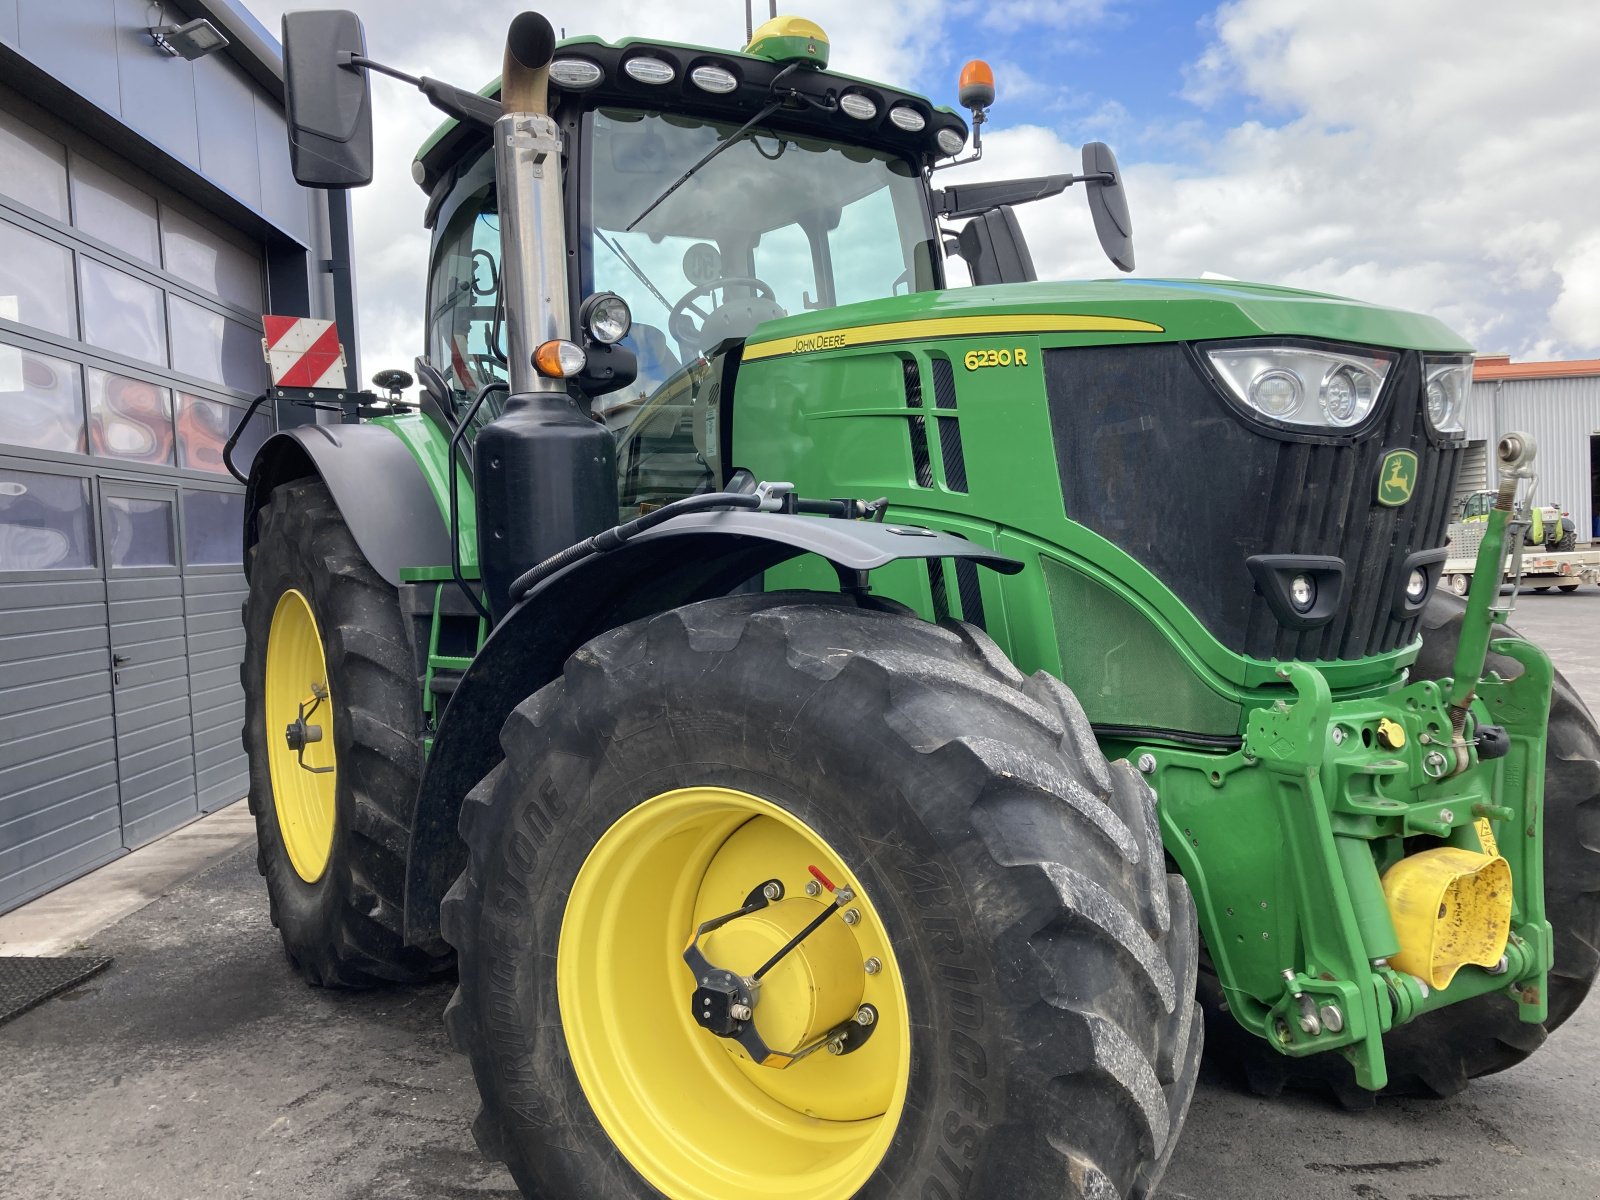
column 1156, row 460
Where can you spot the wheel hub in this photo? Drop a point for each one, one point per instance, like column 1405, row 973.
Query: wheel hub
column 789, row 1085
column 805, row 994
column 301, row 763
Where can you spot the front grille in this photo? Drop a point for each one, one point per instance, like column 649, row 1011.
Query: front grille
column 1155, row 459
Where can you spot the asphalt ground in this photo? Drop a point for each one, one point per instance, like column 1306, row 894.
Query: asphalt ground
column 200, row 1067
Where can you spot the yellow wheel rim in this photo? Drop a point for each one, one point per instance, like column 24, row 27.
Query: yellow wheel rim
column 692, row 1113
column 303, row 799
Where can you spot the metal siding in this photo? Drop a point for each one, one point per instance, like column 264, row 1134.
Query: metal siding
column 58, row 780
column 157, row 90
column 283, row 201
column 228, row 128
column 215, row 637
column 76, row 42
column 1562, row 415
column 155, row 741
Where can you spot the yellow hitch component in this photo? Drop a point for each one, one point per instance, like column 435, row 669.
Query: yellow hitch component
column 1450, row 907
column 1391, row 734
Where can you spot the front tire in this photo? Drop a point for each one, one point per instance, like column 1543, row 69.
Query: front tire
column 1045, row 1040
column 331, row 845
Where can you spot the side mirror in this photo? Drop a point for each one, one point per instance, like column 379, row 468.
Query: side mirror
column 329, row 99
column 1109, row 204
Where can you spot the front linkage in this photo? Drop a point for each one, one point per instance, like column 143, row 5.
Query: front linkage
column 1358, row 863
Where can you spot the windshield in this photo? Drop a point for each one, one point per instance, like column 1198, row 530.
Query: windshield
column 775, row 224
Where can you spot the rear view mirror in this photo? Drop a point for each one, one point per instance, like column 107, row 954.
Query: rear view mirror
column 1109, row 204
column 329, row 99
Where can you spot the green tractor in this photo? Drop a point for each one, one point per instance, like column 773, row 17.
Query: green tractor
column 745, row 670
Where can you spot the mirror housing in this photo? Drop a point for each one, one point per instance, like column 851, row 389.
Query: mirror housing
column 328, row 99
column 1108, row 202
column 995, row 250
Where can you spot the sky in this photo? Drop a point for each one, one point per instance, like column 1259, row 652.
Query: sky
column 1435, row 155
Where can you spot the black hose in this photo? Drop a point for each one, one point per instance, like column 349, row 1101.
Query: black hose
column 233, row 438
column 450, row 482
column 616, row 536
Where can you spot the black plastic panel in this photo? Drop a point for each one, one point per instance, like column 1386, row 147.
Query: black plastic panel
column 1153, row 458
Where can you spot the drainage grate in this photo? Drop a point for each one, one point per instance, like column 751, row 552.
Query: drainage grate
column 28, row 982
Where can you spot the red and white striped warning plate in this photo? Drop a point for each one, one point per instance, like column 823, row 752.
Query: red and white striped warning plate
column 303, row 353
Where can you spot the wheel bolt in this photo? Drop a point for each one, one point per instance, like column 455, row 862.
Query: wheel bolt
column 836, row 1046
column 865, row 1016
column 740, row 1012
column 813, row 888
column 772, row 891
column 851, row 916
column 874, row 966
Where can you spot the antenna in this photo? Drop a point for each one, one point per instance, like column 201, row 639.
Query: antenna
column 749, row 23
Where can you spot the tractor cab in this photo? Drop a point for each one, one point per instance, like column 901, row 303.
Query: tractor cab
column 712, row 194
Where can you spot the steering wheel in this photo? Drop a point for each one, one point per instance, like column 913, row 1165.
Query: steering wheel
column 682, row 326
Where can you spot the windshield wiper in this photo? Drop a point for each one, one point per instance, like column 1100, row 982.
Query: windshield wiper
column 788, row 94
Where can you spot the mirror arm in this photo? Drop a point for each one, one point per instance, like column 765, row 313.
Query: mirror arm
column 986, row 197
column 456, row 102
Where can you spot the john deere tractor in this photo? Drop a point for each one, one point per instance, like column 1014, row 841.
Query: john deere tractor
column 744, row 667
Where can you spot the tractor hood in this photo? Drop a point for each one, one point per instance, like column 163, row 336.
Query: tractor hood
column 1143, row 309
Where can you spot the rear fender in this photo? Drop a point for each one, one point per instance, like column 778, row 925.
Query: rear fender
column 376, row 482
column 694, row 557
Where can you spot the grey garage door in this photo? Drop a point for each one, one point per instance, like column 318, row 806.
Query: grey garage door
column 149, row 658
column 120, row 642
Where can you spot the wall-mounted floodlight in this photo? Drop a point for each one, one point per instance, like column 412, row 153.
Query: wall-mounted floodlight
column 196, row 39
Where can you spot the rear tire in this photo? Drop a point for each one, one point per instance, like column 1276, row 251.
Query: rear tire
column 1568, row 587
column 1047, row 957
column 344, row 929
column 1440, row 1052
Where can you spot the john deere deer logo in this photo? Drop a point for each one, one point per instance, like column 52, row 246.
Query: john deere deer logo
column 1398, row 478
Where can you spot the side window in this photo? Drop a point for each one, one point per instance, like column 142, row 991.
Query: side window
column 465, row 336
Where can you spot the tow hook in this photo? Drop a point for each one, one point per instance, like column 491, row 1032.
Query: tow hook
column 299, row 735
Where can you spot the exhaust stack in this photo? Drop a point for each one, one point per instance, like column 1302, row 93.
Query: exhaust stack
column 545, row 471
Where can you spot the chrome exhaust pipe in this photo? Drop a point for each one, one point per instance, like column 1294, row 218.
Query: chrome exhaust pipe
column 544, row 470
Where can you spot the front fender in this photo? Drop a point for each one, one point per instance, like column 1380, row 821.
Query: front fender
column 376, row 482
column 694, row 557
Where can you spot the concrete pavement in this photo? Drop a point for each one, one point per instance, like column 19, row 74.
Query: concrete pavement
column 200, row 1067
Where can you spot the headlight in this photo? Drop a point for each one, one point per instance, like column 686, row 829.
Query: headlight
column 1319, row 389
column 604, row 316
column 1449, row 386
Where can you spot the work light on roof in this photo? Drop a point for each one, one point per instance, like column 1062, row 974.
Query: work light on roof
column 575, row 74
column 717, row 80
column 908, row 118
column 858, row 105
column 653, row 71
column 951, row 141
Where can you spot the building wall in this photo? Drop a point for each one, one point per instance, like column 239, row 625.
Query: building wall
column 147, row 219
column 1562, row 415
